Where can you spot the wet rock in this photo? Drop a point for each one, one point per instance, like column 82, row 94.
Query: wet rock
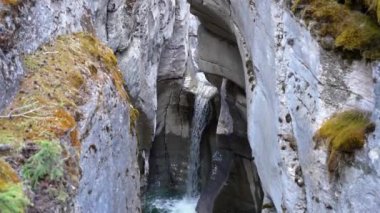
column 170, row 151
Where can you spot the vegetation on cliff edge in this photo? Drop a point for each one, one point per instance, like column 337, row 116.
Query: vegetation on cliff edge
column 44, row 113
column 354, row 26
column 345, row 132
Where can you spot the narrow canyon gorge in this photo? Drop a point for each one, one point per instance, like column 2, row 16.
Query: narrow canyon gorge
column 184, row 106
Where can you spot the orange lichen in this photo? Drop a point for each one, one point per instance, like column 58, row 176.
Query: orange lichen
column 7, row 175
column 11, row 2
column 63, row 122
column 74, row 137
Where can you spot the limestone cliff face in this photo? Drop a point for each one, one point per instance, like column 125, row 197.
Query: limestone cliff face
column 107, row 177
column 297, row 85
column 270, row 87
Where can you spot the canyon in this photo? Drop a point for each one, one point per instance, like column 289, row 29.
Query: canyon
column 183, row 106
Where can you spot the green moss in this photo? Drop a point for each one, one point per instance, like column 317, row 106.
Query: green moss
column 58, row 80
column 12, row 199
column 373, row 8
column 345, row 132
column 46, row 163
column 267, row 206
column 352, row 30
column 295, row 5
column 360, row 35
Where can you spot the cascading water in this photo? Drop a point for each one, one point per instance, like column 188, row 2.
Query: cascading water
column 201, row 111
column 204, row 91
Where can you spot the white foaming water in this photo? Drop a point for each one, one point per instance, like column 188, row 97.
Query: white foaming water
column 204, row 91
column 201, row 111
column 185, row 205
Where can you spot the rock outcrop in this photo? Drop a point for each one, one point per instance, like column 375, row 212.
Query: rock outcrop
column 298, row 85
column 106, row 91
column 110, row 179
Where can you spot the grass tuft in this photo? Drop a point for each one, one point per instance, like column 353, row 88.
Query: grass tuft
column 353, row 30
column 345, row 132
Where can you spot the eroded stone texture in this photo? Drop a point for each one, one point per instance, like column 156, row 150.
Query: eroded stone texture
column 110, row 175
column 110, row 180
column 231, row 183
column 170, row 150
column 297, row 86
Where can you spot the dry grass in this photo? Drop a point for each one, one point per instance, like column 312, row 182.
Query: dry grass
column 46, row 108
column 55, row 86
column 11, row 2
column 345, row 132
column 353, row 30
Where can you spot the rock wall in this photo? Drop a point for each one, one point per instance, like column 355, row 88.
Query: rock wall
column 297, row 86
column 136, row 31
column 291, row 86
column 230, row 179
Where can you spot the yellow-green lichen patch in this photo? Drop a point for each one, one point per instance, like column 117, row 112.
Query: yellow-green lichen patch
column 345, row 132
column 352, row 30
column 12, row 197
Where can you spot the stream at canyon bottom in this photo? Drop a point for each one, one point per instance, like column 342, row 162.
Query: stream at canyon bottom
column 168, row 202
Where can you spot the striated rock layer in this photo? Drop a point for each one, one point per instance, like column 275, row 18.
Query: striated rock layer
column 69, row 104
column 107, row 177
column 297, row 86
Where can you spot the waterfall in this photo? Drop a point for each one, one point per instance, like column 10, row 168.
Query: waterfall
column 201, row 111
column 204, row 92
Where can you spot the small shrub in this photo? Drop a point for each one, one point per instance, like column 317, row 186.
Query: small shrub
column 46, row 163
column 345, row 132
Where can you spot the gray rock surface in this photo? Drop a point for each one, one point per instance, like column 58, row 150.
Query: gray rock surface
column 292, row 85
column 110, row 175
column 231, row 183
column 110, row 178
column 171, row 147
column 297, row 86
column 26, row 26
column 153, row 23
column 220, row 57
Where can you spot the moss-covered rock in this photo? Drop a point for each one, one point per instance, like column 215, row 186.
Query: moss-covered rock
column 12, row 197
column 59, row 80
column 345, row 132
column 353, row 30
